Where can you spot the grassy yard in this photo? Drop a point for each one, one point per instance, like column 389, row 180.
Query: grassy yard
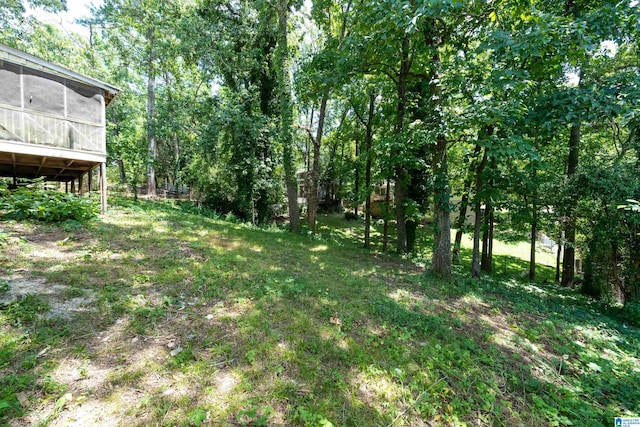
column 154, row 316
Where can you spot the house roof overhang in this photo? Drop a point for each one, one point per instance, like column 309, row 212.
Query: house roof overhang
column 19, row 57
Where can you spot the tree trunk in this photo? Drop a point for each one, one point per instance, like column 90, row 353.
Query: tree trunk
column 568, row 262
column 176, row 162
column 617, row 280
column 312, row 201
column 485, row 264
column 441, row 261
column 534, row 229
column 385, row 228
column 122, row 172
column 152, row 145
column 174, row 135
column 367, row 177
column 489, row 264
column 400, row 172
column 308, row 144
column 487, row 236
column 399, row 200
column 477, row 224
column 357, row 178
column 464, row 205
column 312, row 197
column 558, row 258
column 286, row 116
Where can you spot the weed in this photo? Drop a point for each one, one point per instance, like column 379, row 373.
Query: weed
column 198, row 416
column 46, row 205
column 25, row 309
column 255, row 415
column 311, row 419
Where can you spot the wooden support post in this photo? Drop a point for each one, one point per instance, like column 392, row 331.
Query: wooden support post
column 80, row 185
column 103, row 187
column 66, row 186
column 90, row 179
column 73, row 186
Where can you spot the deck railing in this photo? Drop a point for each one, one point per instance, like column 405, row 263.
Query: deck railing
column 49, row 130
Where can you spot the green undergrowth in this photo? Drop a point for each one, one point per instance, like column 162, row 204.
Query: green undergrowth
column 211, row 322
column 26, row 203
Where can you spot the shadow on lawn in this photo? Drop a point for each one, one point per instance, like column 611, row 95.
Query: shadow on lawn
column 561, row 379
column 226, row 301
column 299, row 330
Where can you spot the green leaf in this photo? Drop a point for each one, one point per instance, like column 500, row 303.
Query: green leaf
column 594, row 367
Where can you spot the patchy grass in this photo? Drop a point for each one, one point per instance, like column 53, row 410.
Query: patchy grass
column 196, row 321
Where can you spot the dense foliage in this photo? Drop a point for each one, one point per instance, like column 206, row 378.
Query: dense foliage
column 45, row 205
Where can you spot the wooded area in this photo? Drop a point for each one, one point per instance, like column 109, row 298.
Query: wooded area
column 524, row 112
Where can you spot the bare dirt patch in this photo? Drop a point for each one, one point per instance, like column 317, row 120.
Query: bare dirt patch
column 63, row 301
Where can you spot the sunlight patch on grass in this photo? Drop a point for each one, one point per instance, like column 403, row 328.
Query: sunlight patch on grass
column 520, row 250
column 221, row 243
column 160, row 228
column 404, row 297
column 319, row 248
column 316, row 262
column 471, row 301
column 237, row 309
column 224, row 382
column 377, row 388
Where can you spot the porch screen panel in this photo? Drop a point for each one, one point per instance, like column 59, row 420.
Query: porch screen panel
column 84, row 102
column 43, row 92
column 10, row 84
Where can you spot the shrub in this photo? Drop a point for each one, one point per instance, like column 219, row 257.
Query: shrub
column 45, row 205
column 631, row 313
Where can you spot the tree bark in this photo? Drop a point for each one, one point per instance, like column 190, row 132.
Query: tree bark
column 534, row 229
column 489, row 261
column 152, row 145
column 312, row 197
column 286, row 116
column 174, row 134
column 441, row 261
column 477, row 224
column 487, row 237
column 486, row 263
column 400, row 172
column 568, row 262
column 367, row 177
column 464, row 205
column 532, row 256
column 357, row 177
column 558, row 258
column 176, row 161
column 385, row 227
column 312, row 200
column 122, row 172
